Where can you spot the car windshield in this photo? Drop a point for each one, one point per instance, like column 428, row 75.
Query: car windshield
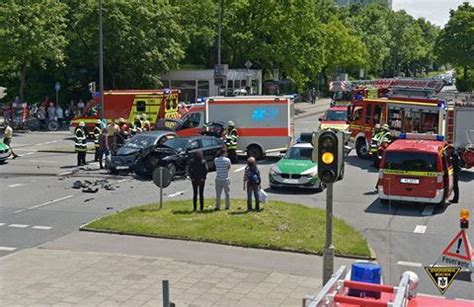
column 336, row 115
column 177, row 144
column 410, row 161
column 299, row 153
column 141, row 141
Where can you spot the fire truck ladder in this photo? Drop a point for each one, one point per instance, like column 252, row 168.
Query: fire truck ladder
column 427, row 86
column 334, row 292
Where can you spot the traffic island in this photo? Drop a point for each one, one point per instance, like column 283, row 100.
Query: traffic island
column 279, row 226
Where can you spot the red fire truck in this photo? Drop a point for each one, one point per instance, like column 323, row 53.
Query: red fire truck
column 460, row 130
column 416, row 168
column 154, row 104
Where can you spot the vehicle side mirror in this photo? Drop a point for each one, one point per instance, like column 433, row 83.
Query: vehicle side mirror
column 281, row 155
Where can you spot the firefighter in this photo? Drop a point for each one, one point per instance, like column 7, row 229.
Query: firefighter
column 454, row 159
column 386, row 134
column 97, row 132
column 231, row 139
column 374, row 144
column 81, row 144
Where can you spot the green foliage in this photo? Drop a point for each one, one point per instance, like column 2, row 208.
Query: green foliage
column 32, row 34
column 455, row 44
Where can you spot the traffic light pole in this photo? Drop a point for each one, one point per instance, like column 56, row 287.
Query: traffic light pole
column 328, row 254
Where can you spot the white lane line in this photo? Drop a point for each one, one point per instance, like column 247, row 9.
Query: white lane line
column 176, row 194
column 65, row 173
column 7, row 249
column 2, row 224
column 239, row 169
column 42, row 227
column 42, row 161
column 428, row 211
column 15, row 185
column 420, row 229
column 407, row 263
column 27, row 154
column 122, row 180
column 18, row 225
column 45, row 203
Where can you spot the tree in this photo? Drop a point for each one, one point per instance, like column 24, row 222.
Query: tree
column 142, row 39
column 455, row 44
column 31, row 35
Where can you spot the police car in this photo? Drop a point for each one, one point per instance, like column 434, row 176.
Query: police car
column 296, row 169
column 5, row 151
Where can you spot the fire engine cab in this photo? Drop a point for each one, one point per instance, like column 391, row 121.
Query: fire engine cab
column 416, row 168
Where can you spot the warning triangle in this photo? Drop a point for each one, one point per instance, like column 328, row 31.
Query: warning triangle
column 459, row 247
column 442, row 277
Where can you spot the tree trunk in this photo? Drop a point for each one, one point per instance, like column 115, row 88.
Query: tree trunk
column 466, row 73
column 22, row 83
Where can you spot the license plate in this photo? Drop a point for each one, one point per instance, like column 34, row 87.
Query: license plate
column 410, row 180
column 291, row 181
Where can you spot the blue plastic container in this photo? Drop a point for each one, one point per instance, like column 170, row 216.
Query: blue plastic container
column 366, row 272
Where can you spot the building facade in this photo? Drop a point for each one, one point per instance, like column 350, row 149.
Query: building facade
column 196, row 84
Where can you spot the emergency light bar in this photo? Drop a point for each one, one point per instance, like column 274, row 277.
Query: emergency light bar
column 418, row 136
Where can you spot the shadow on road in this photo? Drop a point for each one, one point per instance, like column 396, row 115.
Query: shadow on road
column 466, row 176
column 291, row 191
column 361, row 163
column 401, row 208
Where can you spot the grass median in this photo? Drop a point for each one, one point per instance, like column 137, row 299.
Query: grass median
column 279, row 226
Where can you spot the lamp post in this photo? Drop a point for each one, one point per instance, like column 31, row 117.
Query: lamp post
column 219, row 31
column 101, row 60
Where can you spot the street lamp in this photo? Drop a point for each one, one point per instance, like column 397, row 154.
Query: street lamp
column 101, row 60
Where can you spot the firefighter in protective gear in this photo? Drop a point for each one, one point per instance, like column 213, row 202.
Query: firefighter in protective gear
column 374, row 144
column 386, row 136
column 81, row 144
column 97, row 132
column 231, row 139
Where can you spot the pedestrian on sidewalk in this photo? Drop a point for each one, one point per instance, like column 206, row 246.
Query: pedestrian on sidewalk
column 252, row 181
column 7, row 138
column 222, row 164
column 197, row 171
column 104, row 149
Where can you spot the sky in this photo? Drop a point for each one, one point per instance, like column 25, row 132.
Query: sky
column 436, row 11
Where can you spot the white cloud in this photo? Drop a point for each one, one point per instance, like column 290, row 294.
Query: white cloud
column 436, row 11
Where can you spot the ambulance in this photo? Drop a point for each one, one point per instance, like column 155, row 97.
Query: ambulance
column 127, row 104
column 264, row 123
column 416, row 168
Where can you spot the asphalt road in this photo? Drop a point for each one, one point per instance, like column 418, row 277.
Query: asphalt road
column 38, row 204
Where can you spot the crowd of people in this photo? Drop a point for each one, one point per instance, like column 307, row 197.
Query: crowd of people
column 18, row 113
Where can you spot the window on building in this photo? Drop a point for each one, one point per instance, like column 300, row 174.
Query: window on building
column 141, row 106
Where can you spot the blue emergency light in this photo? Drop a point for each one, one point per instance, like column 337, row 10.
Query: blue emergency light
column 416, row 136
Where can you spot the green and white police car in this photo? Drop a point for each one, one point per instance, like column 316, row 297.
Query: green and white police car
column 5, row 151
column 296, row 169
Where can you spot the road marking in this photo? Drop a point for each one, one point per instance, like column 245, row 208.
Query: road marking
column 429, row 209
column 18, row 225
column 7, row 249
column 45, row 203
column 42, row 161
column 28, row 154
column 407, row 263
column 42, row 227
column 420, row 229
column 122, row 180
column 176, row 194
column 16, row 185
column 65, row 173
column 1, row 224
column 240, row 169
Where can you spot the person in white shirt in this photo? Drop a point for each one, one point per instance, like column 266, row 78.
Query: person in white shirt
column 222, row 164
column 7, row 138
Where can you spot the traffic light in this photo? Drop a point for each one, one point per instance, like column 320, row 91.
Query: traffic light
column 329, row 154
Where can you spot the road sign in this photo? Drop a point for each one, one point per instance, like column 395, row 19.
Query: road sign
column 162, row 177
column 57, row 86
column 442, row 277
column 459, row 251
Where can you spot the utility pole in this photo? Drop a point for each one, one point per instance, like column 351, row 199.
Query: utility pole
column 101, row 60
column 219, row 31
column 328, row 253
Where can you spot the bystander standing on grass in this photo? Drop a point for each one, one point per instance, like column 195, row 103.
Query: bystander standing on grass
column 197, row 171
column 252, row 182
column 223, row 165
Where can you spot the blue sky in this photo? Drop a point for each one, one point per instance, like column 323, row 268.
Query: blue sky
column 436, row 11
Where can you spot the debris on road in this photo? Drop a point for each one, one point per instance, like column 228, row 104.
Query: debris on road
column 92, row 187
column 88, row 199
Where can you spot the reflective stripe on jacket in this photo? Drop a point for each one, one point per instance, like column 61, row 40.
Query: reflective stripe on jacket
column 81, row 142
column 231, row 139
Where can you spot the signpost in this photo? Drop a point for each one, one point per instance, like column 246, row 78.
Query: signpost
column 162, row 179
column 57, row 88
